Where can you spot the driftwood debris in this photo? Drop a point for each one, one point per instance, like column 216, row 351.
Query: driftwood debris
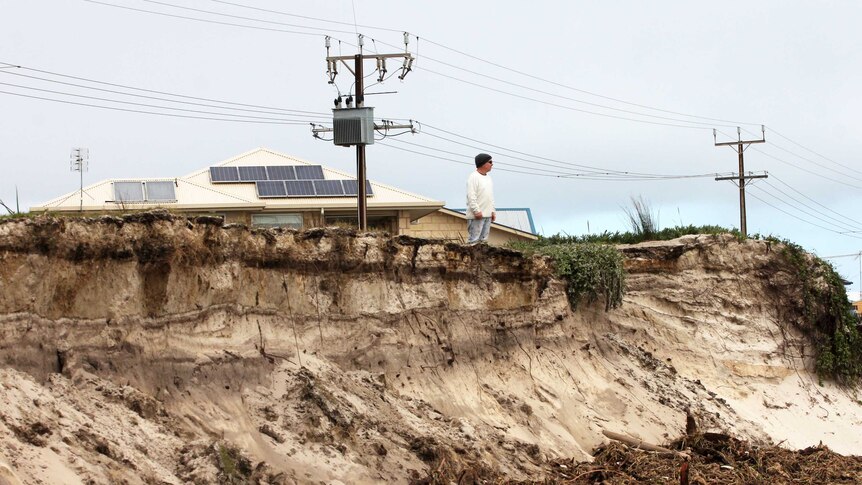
column 642, row 445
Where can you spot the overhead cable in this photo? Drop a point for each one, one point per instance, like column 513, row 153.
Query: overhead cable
column 485, row 61
column 839, row 172
column 565, row 86
column 812, row 172
column 168, row 100
column 153, row 12
column 154, row 113
column 66, row 76
column 772, row 130
column 536, row 171
column 557, row 105
column 305, row 16
column 210, row 12
column 842, row 216
column 579, row 165
column 96, row 98
column 814, row 214
column 803, row 220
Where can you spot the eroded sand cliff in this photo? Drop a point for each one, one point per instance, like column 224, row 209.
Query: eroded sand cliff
column 153, row 349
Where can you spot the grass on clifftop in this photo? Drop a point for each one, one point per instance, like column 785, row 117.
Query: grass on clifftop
column 634, row 237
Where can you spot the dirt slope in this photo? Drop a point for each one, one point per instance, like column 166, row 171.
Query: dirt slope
column 152, row 349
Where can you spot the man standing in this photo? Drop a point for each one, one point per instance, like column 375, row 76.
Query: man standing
column 480, row 200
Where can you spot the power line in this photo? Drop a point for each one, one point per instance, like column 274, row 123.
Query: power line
column 460, row 162
column 463, row 156
column 199, row 10
column 815, row 163
column 96, row 98
column 152, row 112
column 153, row 12
column 156, row 92
column 485, row 76
column 428, row 70
column 529, row 170
column 771, row 129
column 806, row 170
column 843, row 217
column 470, row 71
column 497, row 65
column 532, row 76
column 305, row 16
column 801, row 219
column 487, row 144
column 507, row 155
column 112, row 91
column 812, row 213
column 557, row 105
column 854, row 255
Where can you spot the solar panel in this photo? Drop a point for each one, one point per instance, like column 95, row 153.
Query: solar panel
column 309, row 172
column 327, row 188
column 223, row 174
column 252, row 174
column 270, row 188
column 350, row 188
column 161, row 191
column 300, row 188
column 280, row 172
column 129, row 191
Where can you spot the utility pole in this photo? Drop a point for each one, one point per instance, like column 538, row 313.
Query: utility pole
column 740, row 178
column 361, row 196
column 353, row 129
column 78, row 162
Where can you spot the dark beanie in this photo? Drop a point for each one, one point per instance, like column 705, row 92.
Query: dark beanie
column 482, row 159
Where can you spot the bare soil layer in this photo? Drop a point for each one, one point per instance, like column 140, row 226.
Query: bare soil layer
column 155, row 349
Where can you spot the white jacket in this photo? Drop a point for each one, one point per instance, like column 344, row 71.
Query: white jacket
column 480, row 195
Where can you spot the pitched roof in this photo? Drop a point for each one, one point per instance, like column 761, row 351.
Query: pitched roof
column 195, row 191
column 524, row 232
column 520, row 218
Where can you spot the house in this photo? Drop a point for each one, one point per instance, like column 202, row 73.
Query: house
column 264, row 188
column 857, row 307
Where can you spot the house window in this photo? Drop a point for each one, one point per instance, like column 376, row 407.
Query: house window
column 277, row 220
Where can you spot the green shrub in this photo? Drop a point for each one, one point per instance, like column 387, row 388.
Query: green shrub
column 589, row 270
column 827, row 314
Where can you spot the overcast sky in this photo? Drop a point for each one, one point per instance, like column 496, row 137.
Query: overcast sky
column 553, row 90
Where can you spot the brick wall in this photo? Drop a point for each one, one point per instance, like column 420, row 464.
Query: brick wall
column 435, row 225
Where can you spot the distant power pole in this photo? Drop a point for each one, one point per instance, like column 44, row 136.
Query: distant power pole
column 355, row 126
column 79, row 160
column 740, row 178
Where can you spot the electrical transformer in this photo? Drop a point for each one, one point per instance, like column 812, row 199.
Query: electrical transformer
column 353, row 126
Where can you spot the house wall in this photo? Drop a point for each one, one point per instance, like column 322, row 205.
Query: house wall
column 435, row 225
column 858, row 306
column 439, row 225
column 237, row 218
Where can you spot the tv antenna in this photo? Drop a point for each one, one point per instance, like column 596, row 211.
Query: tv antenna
column 79, row 162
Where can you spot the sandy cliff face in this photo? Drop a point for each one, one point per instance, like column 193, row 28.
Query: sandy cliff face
column 152, row 349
